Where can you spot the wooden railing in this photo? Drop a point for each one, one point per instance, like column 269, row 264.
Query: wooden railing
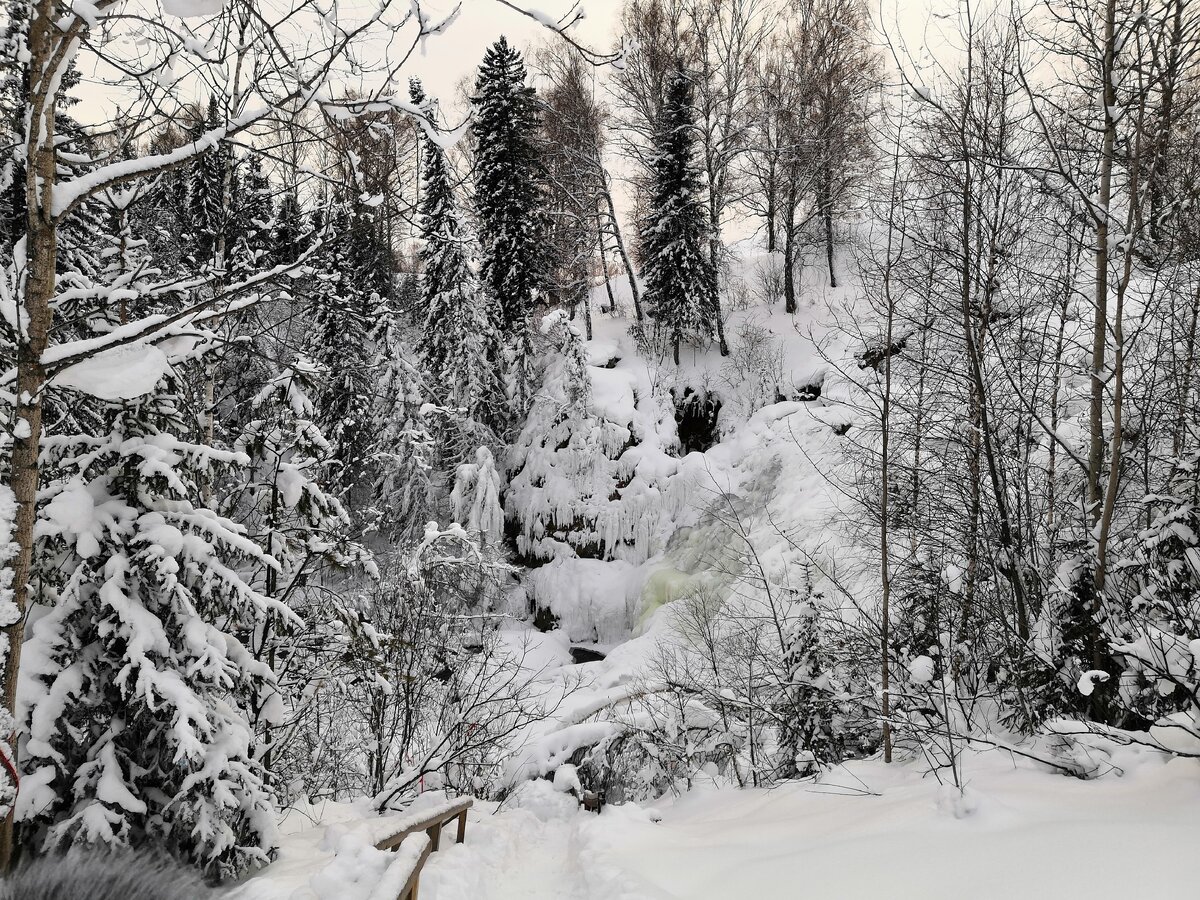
column 402, row 877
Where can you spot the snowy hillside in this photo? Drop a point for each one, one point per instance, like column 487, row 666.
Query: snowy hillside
column 1027, row 833
column 753, row 452
column 764, row 505
column 1020, row 831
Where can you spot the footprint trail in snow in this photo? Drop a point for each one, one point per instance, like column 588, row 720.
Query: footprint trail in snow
column 545, row 866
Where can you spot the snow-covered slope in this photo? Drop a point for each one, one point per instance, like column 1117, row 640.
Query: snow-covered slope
column 865, row 830
column 1020, row 831
column 767, row 494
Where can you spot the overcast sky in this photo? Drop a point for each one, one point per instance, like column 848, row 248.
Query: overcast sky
column 455, row 55
column 458, row 52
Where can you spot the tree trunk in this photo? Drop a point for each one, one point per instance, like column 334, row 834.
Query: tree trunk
column 974, row 508
column 1184, row 404
column 1055, row 390
column 829, row 245
column 772, row 214
column 721, row 342
column 1011, row 567
column 1160, row 160
column 885, row 575
column 616, row 232
column 612, row 301
column 714, row 253
column 42, row 255
column 826, row 204
column 1101, row 212
column 885, row 422
column 789, row 255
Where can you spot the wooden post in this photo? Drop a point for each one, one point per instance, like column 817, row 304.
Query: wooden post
column 462, row 827
column 412, row 894
column 435, row 836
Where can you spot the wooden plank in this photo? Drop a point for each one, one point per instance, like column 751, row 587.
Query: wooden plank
column 409, row 891
column 435, row 818
column 432, row 824
column 399, row 881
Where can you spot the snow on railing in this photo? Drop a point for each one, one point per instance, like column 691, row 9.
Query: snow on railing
column 401, row 834
column 399, row 881
column 390, row 831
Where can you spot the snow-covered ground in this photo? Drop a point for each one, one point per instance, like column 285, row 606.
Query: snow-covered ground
column 865, row 830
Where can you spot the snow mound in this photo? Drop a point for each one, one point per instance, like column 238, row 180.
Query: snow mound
column 122, row 373
column 921, row 669
column 541, row 798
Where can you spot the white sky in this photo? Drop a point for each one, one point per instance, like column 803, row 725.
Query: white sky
column 457, row 53
column 453, row 56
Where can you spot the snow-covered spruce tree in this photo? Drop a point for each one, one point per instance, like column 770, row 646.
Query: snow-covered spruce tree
column 1156, row 635
column 279, row 500
column 443, row 255
column 681, row 283
column 370, row 259
column 353, row 325
column 566, row 479
column 475, row 499
column 206, row 186
column 162, row 216
column 79, row 228
column 14, row 91
column 289, row 228
column 1066, row 640
column 135, row 688
column 251, row 345
column 405, row 449
column 408, row 296
column 340, row 342
column 812, row 703
column 253, row 220
column 77, row 253
column 921, row 600
column 459, row 344
column 509, row 203
column 125, row 258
